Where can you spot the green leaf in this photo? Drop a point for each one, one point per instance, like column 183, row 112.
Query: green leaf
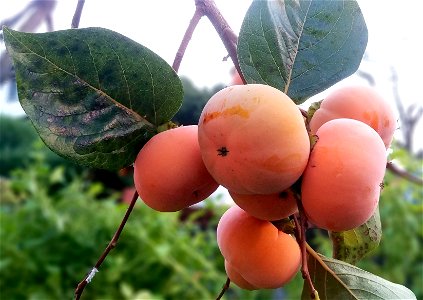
column 352, row 245
column 301, row 47
column 312, row 109
column 335, row 279
column 94, row 96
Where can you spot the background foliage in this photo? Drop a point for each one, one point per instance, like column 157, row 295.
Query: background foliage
column 53, row 229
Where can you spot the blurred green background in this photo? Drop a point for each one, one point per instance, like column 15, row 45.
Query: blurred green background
column 56, row 219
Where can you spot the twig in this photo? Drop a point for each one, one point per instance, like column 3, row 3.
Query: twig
column 78, row 12
column 224, row 289
column 112, row 244
column 300, row 235
column 403, row 173
column 226, row 34
column 297, row 230
column 187, row 37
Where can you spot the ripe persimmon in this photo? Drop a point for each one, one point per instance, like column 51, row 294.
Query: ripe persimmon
column 169, row 173
column 362, row 103
column 270, row 207
column 236, row 278
column 257, row 254
column 253, row 139
column 342, row 182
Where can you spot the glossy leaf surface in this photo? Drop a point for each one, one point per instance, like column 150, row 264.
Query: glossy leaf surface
column 301, row 47
column 94, row 95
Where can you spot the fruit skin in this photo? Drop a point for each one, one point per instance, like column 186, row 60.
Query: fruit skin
column 236, row 278
column 362, row 103
column 267, row 207
column 169, row 173
column 341, row 185
column 256, row 251
column 253, row 139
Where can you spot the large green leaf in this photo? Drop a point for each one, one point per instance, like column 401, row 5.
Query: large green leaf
column 335, row 279
column 301, row 47
column 352, row 245
column 94, row 95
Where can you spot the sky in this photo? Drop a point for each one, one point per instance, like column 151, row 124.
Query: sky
column 395, row 39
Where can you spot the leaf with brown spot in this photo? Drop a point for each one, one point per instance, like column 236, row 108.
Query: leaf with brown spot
column 352, row 245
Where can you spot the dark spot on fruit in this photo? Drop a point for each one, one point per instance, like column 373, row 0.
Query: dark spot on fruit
column 222, row 151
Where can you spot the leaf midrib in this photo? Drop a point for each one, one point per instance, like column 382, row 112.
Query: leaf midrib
column 288, row 81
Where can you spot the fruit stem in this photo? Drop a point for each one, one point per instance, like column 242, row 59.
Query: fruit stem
column 224, row 289
column 300, row 235
column 112, row 244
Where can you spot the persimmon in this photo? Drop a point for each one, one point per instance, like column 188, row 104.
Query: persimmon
column 362, row 103
column 236, row 278
column 253, row 139
column 169, row 173
column 258, row 255
column 342, row 182
column 270, row 207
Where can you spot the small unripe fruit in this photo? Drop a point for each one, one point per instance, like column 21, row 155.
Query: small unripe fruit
column 342, row 182
column 253, row 139
column 169, row 173
column 258, row 255
column 360, row 103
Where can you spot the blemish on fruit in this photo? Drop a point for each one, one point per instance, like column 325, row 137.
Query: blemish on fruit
column 223, row 151
column 381, row 185
column 237, row 110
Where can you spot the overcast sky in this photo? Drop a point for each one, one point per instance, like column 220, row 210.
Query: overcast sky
column 395, row 37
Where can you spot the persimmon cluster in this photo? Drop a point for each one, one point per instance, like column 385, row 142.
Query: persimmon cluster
column 253, row 140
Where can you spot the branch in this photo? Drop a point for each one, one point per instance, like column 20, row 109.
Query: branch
column 36, row 11
column 78, row 12
column 29, row 19
column 408, row 119
column 300, row 235
column 224, row 289
column 112, row 244
column 403, row 173
column 367, row 76
column 187, row 37
column 226, row 34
